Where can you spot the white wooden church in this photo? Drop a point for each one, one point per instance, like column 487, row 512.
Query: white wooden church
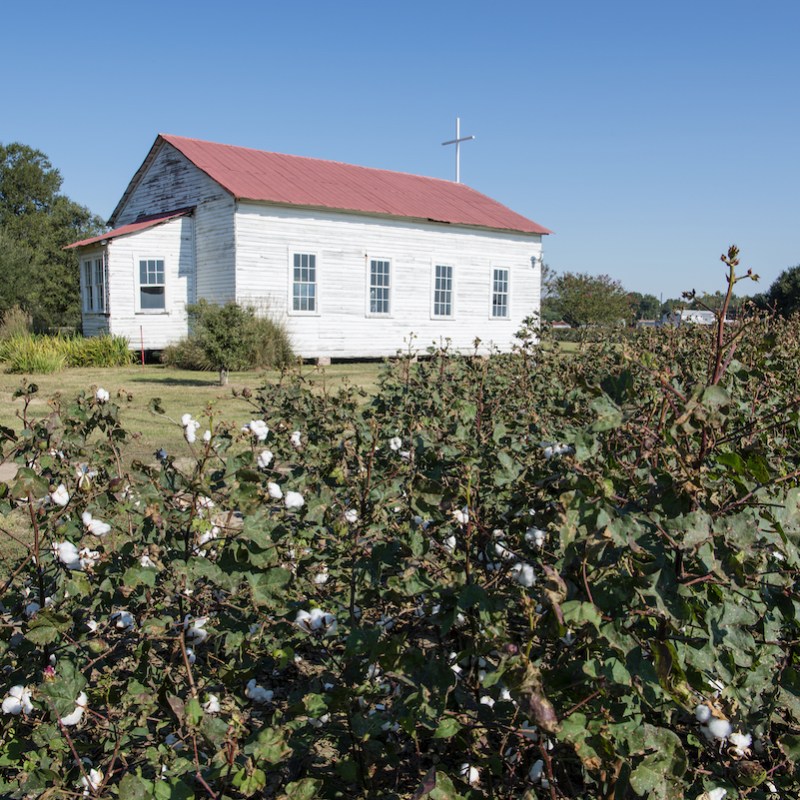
column 352, row 260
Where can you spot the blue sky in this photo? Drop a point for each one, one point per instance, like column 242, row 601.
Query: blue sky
column 649, row 136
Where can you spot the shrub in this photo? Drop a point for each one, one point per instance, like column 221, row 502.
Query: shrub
column 98, row 351
column 520, row 577
column 229, row 337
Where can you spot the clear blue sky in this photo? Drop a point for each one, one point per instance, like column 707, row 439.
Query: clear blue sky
column 648, row 135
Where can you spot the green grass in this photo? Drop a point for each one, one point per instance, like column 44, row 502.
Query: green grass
column 180, row 392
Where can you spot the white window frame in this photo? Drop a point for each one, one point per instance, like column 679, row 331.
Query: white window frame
column 94, row 293
column 390, row 288
column 493, row 293
column 139, row 285
column 302, row 251
column 443, row 263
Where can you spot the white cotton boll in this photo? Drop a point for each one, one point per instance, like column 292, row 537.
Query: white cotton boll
column 92, row 625
column 195, row 629
column 212, row 706
column 190, row 435
column 523, row 574
column 502, row 551
column 67, row 554
column 257, row 693
column 190, row 656
column 294, row 500
column 296, row 439
column 186, row 420
column 264, row 459
column 319, row 722
column 535, row 536
column 740, row 743
column 505, row 695
column 92, row 781
column 702, row 713
column 717, row 793
column 101, row 395
column 718, row 728
column 487, row 701
column 88, row 558
column 450, row 543
column 321, row 577
column 395, row 443
column 123, row 620
column 275, row 491
column 351, row 516
column 75, row 717
column 316, row 620
column 535, row 772
column 60, row 495
column 258, row 429
column 146, row 561
column 94, row 526
column 17, row 701
column 461, row 515
column 470, row 774
column 208, row 536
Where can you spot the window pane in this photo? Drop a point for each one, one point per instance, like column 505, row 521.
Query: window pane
column 379, row 285
column 152, row 297
column 304, row 282
column 443, row 291
column 500, row 293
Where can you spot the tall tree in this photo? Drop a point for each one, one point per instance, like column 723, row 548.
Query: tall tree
column 784, row 293
column 36, row 222
column 584, row 299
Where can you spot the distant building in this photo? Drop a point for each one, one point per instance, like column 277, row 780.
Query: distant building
column 689, row 316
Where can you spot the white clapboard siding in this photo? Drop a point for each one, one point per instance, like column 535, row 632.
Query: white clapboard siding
column 171, row 182
column 268, row 236
column 174, row 243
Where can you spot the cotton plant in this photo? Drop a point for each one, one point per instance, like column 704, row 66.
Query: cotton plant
column 258, row 429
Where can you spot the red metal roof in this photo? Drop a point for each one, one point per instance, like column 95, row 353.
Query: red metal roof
column 294, row 180
column 147, row 222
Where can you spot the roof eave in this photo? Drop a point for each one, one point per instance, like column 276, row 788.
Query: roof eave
column 378, row 215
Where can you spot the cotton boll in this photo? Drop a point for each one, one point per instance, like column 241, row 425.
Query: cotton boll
column 258, row 429
column 101, row 395
column 146, row 561
column 190, row 656
column 60, row 495
column 321, row 578
column 257, row 693
column 718, row 728
column 461, row 515
column 296, row 439
column 207, row 437
column 75, row 717
column 524, row 574
column 195, row 629
column 351, row 516
column 717, row 793
column 294, row 500
column 264, row 459
column 702, row 713
column 450, row 543
column 535, row 536
column 186, row 420
column 212, row 706
column 395, row 443
column 67, row 554
column 123, row 620
column 470, row 774
column 275, row 491
column 740, row 744
column 17, row 701
column 486, row 700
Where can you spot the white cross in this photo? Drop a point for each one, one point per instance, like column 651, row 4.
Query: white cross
column 457, row 142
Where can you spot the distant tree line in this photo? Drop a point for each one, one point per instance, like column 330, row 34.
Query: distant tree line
column 582, row 299
column 36, row 222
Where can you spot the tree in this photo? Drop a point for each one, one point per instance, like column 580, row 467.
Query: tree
column 784, row 293
column 584, row 299
column 36, row 222
column 225, row 334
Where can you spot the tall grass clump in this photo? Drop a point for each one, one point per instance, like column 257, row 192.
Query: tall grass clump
column 15, row 322
column 29, row 353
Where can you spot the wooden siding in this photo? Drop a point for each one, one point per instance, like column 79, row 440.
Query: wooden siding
column 171, row 182
column 174, row 243
column 267, row 237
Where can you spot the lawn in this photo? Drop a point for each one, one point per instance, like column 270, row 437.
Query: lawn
column 180, row 391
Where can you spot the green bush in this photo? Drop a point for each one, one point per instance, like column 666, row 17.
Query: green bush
column 529, row 576
column 230, row 337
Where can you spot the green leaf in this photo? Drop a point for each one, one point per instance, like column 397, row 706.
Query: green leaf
column 135, row 787
column 47, row 626
column 447, row 728
column 174, row 789
column 136, row 575
column 305, row 789
column 576, row 614
column 265, row 586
